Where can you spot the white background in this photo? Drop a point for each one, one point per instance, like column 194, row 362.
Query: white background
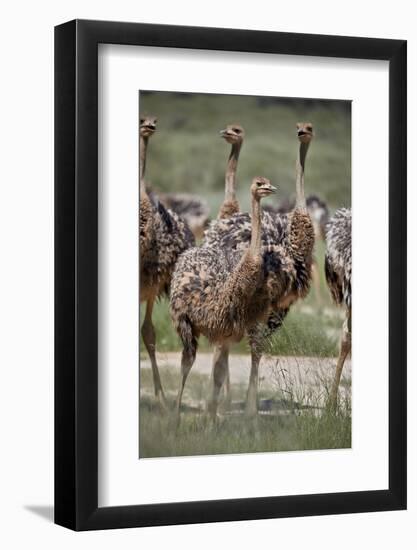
column 123, row 479
column 26, row 400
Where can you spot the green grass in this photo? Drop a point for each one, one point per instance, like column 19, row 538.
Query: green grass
column 195, row 436
column 311, row 333
column 298, row 427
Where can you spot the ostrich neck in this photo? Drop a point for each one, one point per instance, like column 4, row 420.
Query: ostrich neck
column 299, row 182
column 255, row 242
column 145, row 207
column 230, row 180
column 301, row 235
column 143, row 146
column 244, row 279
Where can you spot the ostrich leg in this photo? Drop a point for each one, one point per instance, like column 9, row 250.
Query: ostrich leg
column 220, row 370
column 227, row 398
column 148, row 335
column 258, row 337
column 251, row 408
column 345, row 347
column 227, row 388
column 315, row 275
column 187, row 361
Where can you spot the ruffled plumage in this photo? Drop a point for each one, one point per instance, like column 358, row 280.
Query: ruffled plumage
column 338, row 259
column 287, row 256
column 163, row 237
column 193, row 209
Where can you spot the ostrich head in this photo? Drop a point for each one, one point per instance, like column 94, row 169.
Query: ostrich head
column 233, row 133
column 261, row 187
column 147, row 125
column 305, row 132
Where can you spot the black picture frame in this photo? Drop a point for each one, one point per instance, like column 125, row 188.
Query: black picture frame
column 76, row 272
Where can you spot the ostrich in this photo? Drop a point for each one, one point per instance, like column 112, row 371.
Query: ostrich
column 163, row 236
column 288, row 242
column 212, row 293
column 338, row 269
column 317, row 208
column 233, row 134
column 319, row 214
column 193, row 209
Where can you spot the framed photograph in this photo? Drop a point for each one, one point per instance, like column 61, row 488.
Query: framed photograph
column 230, row 256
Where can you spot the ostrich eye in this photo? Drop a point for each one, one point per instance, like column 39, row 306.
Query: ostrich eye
column 309, row 128
column 142, row 120
column 236, row 130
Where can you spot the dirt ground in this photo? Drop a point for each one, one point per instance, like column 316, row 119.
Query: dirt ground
column 298, row 378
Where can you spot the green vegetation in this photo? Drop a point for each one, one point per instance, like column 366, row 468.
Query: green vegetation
column 187, row 153
column 290, row 427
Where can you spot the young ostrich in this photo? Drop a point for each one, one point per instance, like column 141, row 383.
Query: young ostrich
column 212, row 293
column 163, row 236
column 288, row 242
column 317, row 208
column 319, row 214
column 233, row 134
column 193, row 209
column 338, row 269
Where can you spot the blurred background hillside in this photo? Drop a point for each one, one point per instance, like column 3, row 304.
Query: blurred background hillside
column 187, row 153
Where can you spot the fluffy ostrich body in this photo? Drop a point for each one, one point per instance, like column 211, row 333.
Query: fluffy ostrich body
column 288, row 242
column 193, row 209
column 213, row 293
column 338, row 260
column 338, row 269
column 163, row 236
column 319, row 214
column 287, row 251
column 317, row 208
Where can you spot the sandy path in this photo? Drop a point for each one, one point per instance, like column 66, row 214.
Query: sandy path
column 299, row 375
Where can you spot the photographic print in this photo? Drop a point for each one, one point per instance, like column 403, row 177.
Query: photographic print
column 245, row 274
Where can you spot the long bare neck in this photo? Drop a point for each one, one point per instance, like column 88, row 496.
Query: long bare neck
column 230, row 179
column 255, row 241
column 143, row 146
column 299, row 182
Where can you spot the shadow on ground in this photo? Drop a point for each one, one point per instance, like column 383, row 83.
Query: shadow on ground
column 45, row 512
